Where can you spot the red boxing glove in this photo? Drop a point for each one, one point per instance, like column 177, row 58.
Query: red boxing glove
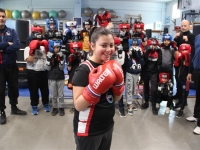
column 100, row 80
column 118, row 86
column 70, row 58
column 177, row 60
column 34, row 44
column 46, row 45
column 174, row 45
column 186, row 57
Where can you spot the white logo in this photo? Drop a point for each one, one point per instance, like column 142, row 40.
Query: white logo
column 101, row 78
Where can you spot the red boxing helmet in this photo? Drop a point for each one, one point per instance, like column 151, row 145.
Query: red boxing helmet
column 36, row 28
column 177, row 28
column 185, row 47
column 75, row 46
column 124, row 26
column 152, row 41
column 138, row 26
column 164, row 75
column 117, row 40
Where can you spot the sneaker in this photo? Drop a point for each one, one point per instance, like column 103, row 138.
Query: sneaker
column 17, row 111
column 72, row 110
column 158, row 105
column 122, row 113
column 130, row 110
column 197, row 130
column 2, row 117
column 180, row 114
column 167, row 111
column 34, row 110
column 154, row 111
column 145, row 105
column 191, row 119
column 54, row 111
column 61, row 111
column 47, row 108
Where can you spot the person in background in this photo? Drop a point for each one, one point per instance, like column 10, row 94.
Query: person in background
column 168, row 48
column 165, row 90
column 84, row 36
column 185, row 36
column 181, row 64
column 194, row 69
column 119, row 56
column 52, row 26
column 9, row 45
column 153, row 60
column 55, row 67
column 134, row 65
column 35, row 56
column 95, row 101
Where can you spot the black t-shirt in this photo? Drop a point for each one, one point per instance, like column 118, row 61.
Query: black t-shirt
column 95, row 119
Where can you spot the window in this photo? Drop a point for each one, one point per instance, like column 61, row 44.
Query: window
column 175, row 11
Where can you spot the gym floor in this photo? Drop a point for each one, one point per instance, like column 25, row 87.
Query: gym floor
column 142, row 131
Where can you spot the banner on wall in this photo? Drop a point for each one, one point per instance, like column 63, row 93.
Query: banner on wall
column 79, row 22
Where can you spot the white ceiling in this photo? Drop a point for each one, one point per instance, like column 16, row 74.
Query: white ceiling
column 161, row 1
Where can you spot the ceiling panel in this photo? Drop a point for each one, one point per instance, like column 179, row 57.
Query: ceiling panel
column 161, row 1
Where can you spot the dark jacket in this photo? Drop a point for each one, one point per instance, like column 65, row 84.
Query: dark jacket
column 195, row 58
column 8, row 56
column 179, row 40
column 152, row 61
column 55, row 73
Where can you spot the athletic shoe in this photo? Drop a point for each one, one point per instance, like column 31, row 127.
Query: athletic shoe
column 2, row 117
column 197, row 130
column 47, row 108
column 145, row 105
column 180, row 114
column 17, row 111
column 167, row 111
column 34, row 110
column 134, row 108
column 122, row 113
column 155, row 111
column 54, row 111
column 61, row 111
column 130, row 110
column 191, row 119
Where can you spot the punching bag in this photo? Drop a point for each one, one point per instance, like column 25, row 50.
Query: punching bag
column 166, row 30
column 148, row 33
column 22, row 29
column 196, row 30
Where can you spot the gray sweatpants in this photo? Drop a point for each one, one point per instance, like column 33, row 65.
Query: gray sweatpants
column 131, row 80
column 57, row 92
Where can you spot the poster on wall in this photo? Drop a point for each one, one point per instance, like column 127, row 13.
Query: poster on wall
column 79, row 22
column 167, row 20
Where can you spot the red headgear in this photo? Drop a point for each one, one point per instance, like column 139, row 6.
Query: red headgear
column 36, row 28
column 124, row 26
column 164, row 75
column 138, row 25
column 74, row 46
column 185, row 47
